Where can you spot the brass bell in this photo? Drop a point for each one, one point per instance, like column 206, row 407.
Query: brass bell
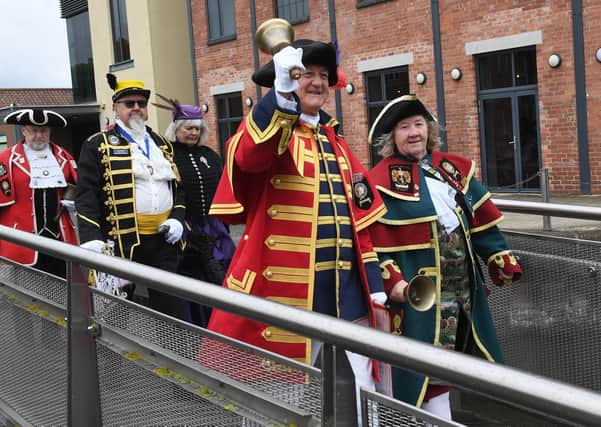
column 421, row 293
column 274, row 35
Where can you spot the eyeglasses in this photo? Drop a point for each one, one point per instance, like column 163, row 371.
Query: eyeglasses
column 130, row 103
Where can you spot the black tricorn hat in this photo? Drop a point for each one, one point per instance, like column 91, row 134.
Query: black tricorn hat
column 126, row 87
column 395, row 111
column 36, row 117
column 314, row 53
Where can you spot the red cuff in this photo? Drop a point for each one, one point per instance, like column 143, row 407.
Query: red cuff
column 391, row 273
column 508, row 265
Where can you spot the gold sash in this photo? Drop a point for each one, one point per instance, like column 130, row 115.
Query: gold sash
column 149, row 223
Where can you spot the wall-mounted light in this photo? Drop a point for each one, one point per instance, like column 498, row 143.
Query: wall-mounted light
column 598, row 54
column 349, row 88
column 455, row 73
column 248, row 101
column 554, row 60
column 420, row 78
column 204, row 107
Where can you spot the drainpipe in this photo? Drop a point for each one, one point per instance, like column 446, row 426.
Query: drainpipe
column 332, row 13
column 440, row 105
column 581, row 113
column 192, row 51
column 253, row 29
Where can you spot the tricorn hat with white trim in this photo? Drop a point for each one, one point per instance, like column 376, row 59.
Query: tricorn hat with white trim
column 36, row 117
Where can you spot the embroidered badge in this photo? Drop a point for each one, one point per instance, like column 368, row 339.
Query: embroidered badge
column 450, row 169
column 400, row 178
column 2, row 169
column 363, row 196
column 5, row 185
column 113, row 140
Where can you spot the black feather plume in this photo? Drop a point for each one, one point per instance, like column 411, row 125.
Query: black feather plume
column 112, row 80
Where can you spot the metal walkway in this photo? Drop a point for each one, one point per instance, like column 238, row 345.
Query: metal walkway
column 70, row 355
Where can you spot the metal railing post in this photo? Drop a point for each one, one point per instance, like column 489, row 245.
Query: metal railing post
column 545, row 190
column 83, row 393
column 339, row 404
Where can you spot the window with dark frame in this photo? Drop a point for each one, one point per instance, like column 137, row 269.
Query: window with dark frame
column 120, row 31
column 221, row 20
column 382, row 86
column 293, row 11
column 229, row 116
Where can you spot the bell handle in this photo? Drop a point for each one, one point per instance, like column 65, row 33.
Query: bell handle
column 295, row 73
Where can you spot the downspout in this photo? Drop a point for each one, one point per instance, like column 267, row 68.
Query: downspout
column 192, row 51
column 332, row 13
column 253, row 28
column 440, row 105
column 581, row 112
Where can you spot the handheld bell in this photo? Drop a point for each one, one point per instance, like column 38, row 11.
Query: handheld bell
column 274, row 35
column 421, row 293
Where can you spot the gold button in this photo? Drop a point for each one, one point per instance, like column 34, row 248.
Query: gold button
column 271, row 242
column 283, row 123
column 268, row 274
column 340, row 242
column 338, row 219
column 278, row 180
column 340, row 264
column 267, row 333
column 273, row 212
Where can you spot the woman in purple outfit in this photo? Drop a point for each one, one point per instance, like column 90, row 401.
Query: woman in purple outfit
column 208, row 246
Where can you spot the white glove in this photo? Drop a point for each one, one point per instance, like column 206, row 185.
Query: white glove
column 93, row 245
column 284, row 61
column 173, row 230
column 69, row 205
column 379, row 297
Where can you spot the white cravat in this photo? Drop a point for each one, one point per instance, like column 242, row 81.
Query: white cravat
column 44, row 171
column 443, row 197
column 152, row 174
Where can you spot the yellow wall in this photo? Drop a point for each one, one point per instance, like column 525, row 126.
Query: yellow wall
column 159, row 47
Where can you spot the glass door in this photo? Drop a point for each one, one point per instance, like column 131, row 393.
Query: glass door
column 510, row 140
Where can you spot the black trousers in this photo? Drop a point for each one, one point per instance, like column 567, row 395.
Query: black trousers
column 156, row 252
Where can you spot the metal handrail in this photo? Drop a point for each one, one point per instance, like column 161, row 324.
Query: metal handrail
column 518, row 388
column 551, row 209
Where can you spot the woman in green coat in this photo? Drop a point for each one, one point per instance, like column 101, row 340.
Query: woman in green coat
column 439, row 220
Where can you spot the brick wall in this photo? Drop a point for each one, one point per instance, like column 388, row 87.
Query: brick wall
column 397, row 26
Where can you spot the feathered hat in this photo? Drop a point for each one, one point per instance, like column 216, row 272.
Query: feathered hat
column 126, row 87
column 179, row 111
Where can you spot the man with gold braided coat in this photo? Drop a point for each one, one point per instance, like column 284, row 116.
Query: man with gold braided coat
column 439, row 219
column 128, row 191
column 306, row 201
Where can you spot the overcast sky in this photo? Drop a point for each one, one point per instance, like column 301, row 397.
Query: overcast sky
column 33, row 45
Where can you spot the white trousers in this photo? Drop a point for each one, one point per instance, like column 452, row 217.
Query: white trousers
column 439, row 406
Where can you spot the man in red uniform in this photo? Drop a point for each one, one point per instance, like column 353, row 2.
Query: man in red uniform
column 306, row 201
column 35, row 175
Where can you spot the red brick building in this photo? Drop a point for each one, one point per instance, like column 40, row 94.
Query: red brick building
column 513, row 106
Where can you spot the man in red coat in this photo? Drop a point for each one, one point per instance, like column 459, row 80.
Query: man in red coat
column 35, row 176
column 306, row 201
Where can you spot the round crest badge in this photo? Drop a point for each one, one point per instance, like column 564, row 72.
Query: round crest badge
column 113, row 140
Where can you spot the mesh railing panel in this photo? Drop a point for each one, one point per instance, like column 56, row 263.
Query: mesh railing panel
column 243, row 364
column 549, row 323
column 133, row 396
column 33, row 357
column 39, row 283
column 382, row 411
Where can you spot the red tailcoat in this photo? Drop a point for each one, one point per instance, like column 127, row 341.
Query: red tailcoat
column 17, row 204
column 271, row 183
